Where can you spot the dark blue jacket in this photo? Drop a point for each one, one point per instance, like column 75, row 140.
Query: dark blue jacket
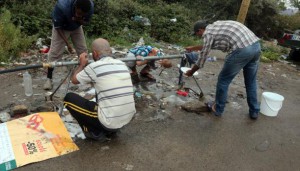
column 63, row 12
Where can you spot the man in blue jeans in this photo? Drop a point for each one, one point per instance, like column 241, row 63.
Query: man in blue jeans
column 243, row 49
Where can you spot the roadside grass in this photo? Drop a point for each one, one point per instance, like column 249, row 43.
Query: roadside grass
column 271, row 51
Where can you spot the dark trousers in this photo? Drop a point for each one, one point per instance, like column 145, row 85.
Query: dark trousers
column 86, row 114
column 50, row 73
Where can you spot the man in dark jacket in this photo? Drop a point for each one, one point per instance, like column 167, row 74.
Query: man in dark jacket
column 68, row 17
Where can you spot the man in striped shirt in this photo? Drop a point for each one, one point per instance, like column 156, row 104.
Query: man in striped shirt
column 115, row 105
column 243, row 49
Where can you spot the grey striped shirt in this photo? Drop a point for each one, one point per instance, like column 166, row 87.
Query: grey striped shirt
column 114, row 88
column 226, row 36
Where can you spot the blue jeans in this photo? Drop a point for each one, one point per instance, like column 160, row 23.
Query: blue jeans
column 248, row 60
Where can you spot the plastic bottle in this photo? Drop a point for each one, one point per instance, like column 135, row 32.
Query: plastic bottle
column 141, row 42
column 27, row 84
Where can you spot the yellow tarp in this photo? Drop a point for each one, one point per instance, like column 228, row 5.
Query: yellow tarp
column 33, row 138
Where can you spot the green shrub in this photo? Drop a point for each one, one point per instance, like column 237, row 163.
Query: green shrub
column 289, row 22
column 268, row 56
column 12, row 41
column 112, row 17
column 34, row 18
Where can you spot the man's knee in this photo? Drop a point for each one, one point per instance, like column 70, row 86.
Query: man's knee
column 69, row 97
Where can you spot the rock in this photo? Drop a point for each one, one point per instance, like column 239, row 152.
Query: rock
column 195, row 106
column 19, row 110
column 129, row 167
column 44, row 107
column 105, row 148
column 264, row 146
column 4, row 116
column 163, row 105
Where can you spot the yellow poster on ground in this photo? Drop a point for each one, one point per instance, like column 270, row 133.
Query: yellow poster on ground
column 33, row 138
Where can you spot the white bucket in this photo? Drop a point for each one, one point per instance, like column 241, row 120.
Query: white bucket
column 271, row 103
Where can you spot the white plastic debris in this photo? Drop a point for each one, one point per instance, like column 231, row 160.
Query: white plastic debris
column 68, row 118
column 141, row 42
column 91, row 91
column 175, row 100
column 39, row 42
column 236, row 105
column 174, row 20
column 75, row 130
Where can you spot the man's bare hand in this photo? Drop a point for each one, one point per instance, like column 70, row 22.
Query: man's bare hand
column 189, row 73
column 71, row 49
column 83, row 59
column 189, row 48
column 165, row 63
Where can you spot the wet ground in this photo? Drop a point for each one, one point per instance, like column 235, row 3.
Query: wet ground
column 162, row 136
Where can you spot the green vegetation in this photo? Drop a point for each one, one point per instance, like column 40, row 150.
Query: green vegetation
column 123, row 22
column 289, row 22
column 12, row 41
column 268, row 56
column 271, row 52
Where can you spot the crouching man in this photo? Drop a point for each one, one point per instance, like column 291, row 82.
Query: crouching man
column 114, row 106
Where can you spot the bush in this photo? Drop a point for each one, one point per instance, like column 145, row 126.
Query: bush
column 270, row 51
column 289, row 22
column 12, row 41
column 34, row 18
column 268, row 56
column 119, row 18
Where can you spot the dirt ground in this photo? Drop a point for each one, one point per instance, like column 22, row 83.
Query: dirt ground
column 169, row 138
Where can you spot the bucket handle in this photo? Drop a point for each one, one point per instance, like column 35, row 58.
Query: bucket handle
column 275, row 110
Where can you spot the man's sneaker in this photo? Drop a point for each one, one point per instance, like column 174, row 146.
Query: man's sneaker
column 211, row 105
column 253, row 116
column 113, row 134
column 101, row 137
column 48, row 84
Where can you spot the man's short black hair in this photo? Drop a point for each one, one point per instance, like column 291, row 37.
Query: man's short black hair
column 84, row 5
column 201, row 24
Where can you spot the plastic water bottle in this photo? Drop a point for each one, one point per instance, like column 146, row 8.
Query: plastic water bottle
column 27, row 84
column 141, row 42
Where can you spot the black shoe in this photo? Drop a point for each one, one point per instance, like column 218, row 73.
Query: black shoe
column 112, row 134
column 253, row 116
column 101, row 137
column 135, row 78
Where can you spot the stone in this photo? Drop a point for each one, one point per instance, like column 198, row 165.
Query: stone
column 19, row 110
column 195, row 106
column 48, row 106
column 4, row 116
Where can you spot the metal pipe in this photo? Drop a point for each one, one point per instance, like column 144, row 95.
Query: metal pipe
column 58, row 64
column 21, row 68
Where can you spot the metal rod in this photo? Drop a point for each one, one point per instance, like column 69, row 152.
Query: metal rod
column 59, row 64
column 67, row 89
column 61, row 83
column 201, row 94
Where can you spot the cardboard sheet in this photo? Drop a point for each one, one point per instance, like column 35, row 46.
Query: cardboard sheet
column 33, row 138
